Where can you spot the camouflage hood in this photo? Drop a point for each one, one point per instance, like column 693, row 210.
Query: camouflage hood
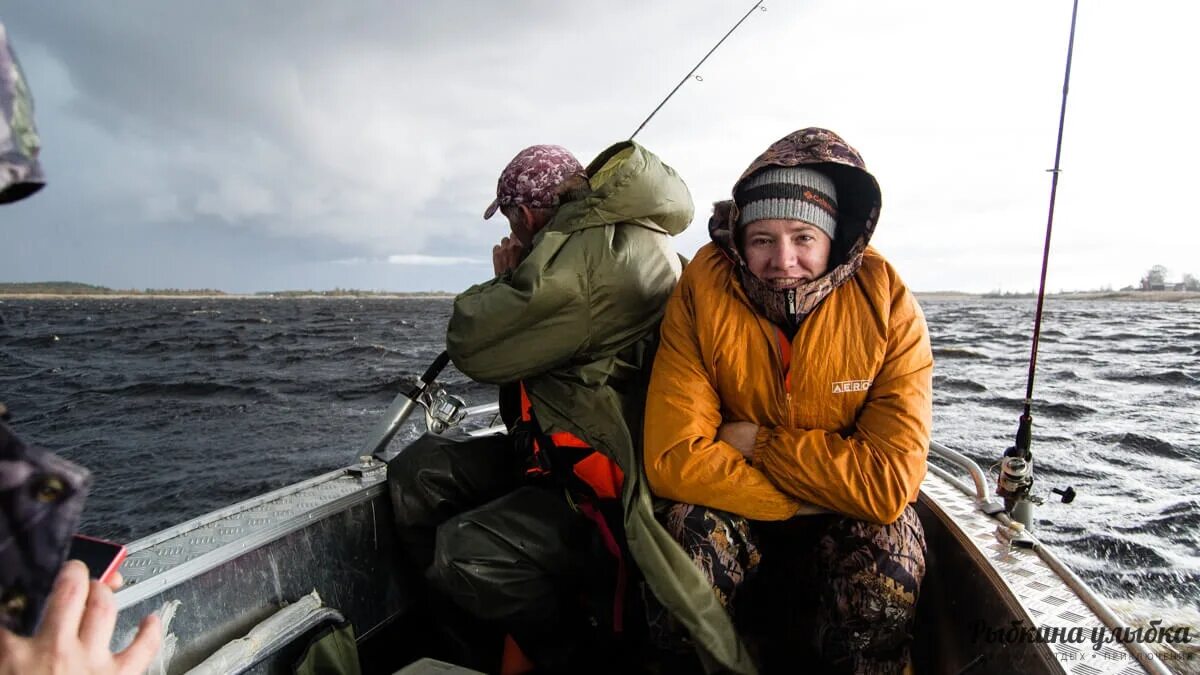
column 20, row 173
column 858, row 211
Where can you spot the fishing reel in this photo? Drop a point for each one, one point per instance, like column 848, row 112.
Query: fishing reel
column 1015, row 479
column 442, row 410
column 1014, row 482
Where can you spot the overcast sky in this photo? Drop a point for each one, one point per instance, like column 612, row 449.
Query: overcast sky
column 270, row 145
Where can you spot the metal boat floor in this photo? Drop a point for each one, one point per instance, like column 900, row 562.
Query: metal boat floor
column 1044, row 595
column 174, row 555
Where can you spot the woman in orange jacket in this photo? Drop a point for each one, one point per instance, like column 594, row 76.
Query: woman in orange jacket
column 789, row 412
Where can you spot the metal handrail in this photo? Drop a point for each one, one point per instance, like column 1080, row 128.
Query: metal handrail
column 982, row 493
column 1141, row 653
column 482, row 409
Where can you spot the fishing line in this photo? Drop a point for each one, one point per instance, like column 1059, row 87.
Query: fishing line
column 1025, row 429
column 694, row 68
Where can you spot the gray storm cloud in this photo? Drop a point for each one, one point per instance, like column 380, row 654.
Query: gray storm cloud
column 251, row 145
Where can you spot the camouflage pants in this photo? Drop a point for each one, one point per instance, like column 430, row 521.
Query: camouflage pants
column 820, row 589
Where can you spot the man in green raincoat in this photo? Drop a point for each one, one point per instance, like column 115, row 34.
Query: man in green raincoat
column 524, row 532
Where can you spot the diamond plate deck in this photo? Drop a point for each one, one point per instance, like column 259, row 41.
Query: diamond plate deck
column 1044, row 595
column 170, row 557
column 182, row 552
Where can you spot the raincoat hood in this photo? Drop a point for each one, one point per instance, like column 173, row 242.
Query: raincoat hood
column 858, row 210
column 627, row 184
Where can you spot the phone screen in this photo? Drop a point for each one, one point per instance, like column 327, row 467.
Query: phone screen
column 101, row 557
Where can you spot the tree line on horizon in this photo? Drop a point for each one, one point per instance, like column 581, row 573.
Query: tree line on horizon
column 77, row 288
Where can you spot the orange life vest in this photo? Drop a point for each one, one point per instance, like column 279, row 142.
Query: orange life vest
column 591, row 470
column 599, row 473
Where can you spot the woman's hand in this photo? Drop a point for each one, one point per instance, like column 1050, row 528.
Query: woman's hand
column 75, row 633
column 740, row 435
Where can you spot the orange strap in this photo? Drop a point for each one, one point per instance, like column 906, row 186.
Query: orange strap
column 513, row 661
column 598, row 471
column 601, row 474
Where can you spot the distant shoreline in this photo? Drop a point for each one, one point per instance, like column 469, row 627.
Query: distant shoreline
column 1122, row 296
column 224, row 296
column 935, row 296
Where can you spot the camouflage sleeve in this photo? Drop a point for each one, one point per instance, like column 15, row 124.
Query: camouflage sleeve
column 20, row 172
column 41, row 500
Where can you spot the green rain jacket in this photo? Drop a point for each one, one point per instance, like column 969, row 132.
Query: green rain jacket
column 577, row 321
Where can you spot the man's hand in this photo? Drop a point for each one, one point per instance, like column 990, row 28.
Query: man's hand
column 75, row 632
column 740, row 435
column 507, row 255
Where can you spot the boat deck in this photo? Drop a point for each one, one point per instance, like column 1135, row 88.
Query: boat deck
column 1052, row 609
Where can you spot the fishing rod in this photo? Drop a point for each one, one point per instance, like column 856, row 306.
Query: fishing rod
column 1016, row 466
column 441, row 409
column 695, row 68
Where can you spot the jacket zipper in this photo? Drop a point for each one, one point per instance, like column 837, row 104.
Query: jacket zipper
column 782, row 343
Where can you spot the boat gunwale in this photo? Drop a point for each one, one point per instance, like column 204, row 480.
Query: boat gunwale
column 368, row 489
column 1139, row 654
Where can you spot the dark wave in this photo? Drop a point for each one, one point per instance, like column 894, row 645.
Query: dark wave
column 1177, row 349
column 1056, row 410
column 365, row 350
column 1124, row 336
column 391, row 385
column 1161, row 377
column 276, row 338
column 941, row 383
column 1116, row 549
column 1144, row 444
column 188, row 389
column 1064, row 376
column 1178, row 522
column 26, row 376
column 34, row 341
column 178, row 345
column 956, row 353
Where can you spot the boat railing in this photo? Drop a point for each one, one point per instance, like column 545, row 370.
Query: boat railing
column 1026, row 539
column 981, row 493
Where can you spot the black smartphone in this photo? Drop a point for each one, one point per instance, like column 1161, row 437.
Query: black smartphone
column 102, row 558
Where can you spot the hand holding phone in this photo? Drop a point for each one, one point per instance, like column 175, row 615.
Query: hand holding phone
column 76, row 632
column 41, row 500
column 103, row 558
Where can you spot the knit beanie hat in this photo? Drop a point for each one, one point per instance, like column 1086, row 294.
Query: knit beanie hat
column 789, row 193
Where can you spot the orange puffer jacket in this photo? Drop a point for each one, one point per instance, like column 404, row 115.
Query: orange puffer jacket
column 847, row 431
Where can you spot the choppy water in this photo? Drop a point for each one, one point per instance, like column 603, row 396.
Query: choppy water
column 182, row 406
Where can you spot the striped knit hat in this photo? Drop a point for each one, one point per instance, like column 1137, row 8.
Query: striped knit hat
column 789, row 193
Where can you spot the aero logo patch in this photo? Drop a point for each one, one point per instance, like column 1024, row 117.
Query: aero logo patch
column 851, row 385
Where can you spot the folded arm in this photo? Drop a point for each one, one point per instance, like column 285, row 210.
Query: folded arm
column 874, row 470
column 684, row 461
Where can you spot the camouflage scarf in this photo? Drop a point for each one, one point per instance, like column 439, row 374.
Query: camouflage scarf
column 859, row 202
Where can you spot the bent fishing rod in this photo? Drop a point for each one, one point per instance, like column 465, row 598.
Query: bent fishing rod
column 441, row 409
column 1016, row 466
column 695, row 68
